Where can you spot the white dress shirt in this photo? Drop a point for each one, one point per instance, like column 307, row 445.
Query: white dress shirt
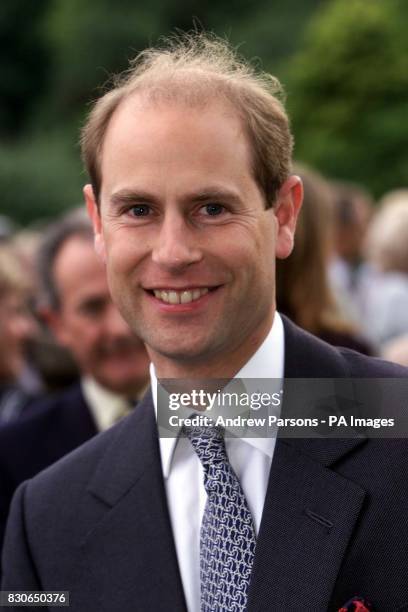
column 106, row 407
column 250, row 458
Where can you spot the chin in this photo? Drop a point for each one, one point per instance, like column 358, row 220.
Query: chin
column 186, row 353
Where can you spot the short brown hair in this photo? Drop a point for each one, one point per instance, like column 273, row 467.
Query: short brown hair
column 195, row 68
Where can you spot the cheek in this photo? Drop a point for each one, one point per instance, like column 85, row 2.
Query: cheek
column 87, row 350
column 118, row 284
column 126, row 265
column 81, row 334
column 266, row 246
column 256, row 260
column 122, row 261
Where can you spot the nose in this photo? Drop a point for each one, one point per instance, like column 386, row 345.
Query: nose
column 176, row 247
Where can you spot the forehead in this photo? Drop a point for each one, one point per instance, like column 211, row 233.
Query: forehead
column 159, row 136
column 140, row 110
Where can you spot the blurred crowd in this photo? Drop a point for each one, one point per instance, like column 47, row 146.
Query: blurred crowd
column 58, row 324
column 70, row 366
column 347, row 278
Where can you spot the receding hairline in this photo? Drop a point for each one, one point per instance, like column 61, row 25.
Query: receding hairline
column 192, row 68
column 154, row 98
column 146, row 101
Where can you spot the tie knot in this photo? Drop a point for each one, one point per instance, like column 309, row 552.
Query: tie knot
column 208, row 443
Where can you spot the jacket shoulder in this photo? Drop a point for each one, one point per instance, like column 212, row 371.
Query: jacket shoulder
column 309, row 357
column 76, row 466
column 51, row 427
column 364, row 366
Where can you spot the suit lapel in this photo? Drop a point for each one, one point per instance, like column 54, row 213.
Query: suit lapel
column 310, row 511
column 309, row 515
column 128, row 559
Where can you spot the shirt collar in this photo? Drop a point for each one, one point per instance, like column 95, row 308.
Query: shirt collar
column 106, row 407
column 266, row 362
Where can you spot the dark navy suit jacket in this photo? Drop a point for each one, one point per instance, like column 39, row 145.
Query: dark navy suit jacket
column 334, row 525
column 50, row 428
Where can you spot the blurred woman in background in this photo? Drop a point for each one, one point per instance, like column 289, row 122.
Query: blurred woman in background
column 386, row 299
column 303, row 290
column 17, row 328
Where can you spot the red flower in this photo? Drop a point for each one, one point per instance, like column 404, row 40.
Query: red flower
column 357, row 604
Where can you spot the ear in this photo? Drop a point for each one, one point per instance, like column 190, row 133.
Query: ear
column 95, row 216
column 286, row 209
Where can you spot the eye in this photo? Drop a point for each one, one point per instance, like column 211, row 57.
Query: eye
column 140, row 210
column 213, row 210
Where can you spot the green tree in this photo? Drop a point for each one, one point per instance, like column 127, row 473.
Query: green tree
column 94, row 38
column 24, row 63
column 348, row 92
column 91, row 40
column 58, row 58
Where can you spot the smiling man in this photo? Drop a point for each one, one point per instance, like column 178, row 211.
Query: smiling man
column 187, row 233
column 192, row 200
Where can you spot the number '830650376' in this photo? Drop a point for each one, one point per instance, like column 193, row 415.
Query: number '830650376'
column 34, row 598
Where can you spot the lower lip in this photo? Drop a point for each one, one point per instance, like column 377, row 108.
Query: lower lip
column 180, row 308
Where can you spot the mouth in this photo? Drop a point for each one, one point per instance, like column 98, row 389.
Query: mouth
column 181, row 296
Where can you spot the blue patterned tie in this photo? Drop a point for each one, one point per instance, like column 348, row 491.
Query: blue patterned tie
column 227, row 539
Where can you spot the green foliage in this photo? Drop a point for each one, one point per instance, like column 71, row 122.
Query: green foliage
column 59, row 53
column 348, row 93
column 24, row 62
column 40, row 178
column 95, row 38
column 92, row 39
column 271, row 31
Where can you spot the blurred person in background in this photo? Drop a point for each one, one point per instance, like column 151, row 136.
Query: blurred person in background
column 17, row 328
column 397, row 350
column 48, row 365
column 112, row 360
column 52, row 363
column 348, row 273
column 7, row 228
column 26, row 242
column 303, row 290
column 386, row 299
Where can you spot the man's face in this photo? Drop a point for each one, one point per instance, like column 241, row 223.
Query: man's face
column 90, row 325
column 182, row 224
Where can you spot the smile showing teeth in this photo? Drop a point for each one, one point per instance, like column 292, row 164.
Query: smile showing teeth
column 180, row 297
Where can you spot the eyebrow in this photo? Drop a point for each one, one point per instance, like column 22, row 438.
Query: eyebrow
column 205, row 195
column 127, row 196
